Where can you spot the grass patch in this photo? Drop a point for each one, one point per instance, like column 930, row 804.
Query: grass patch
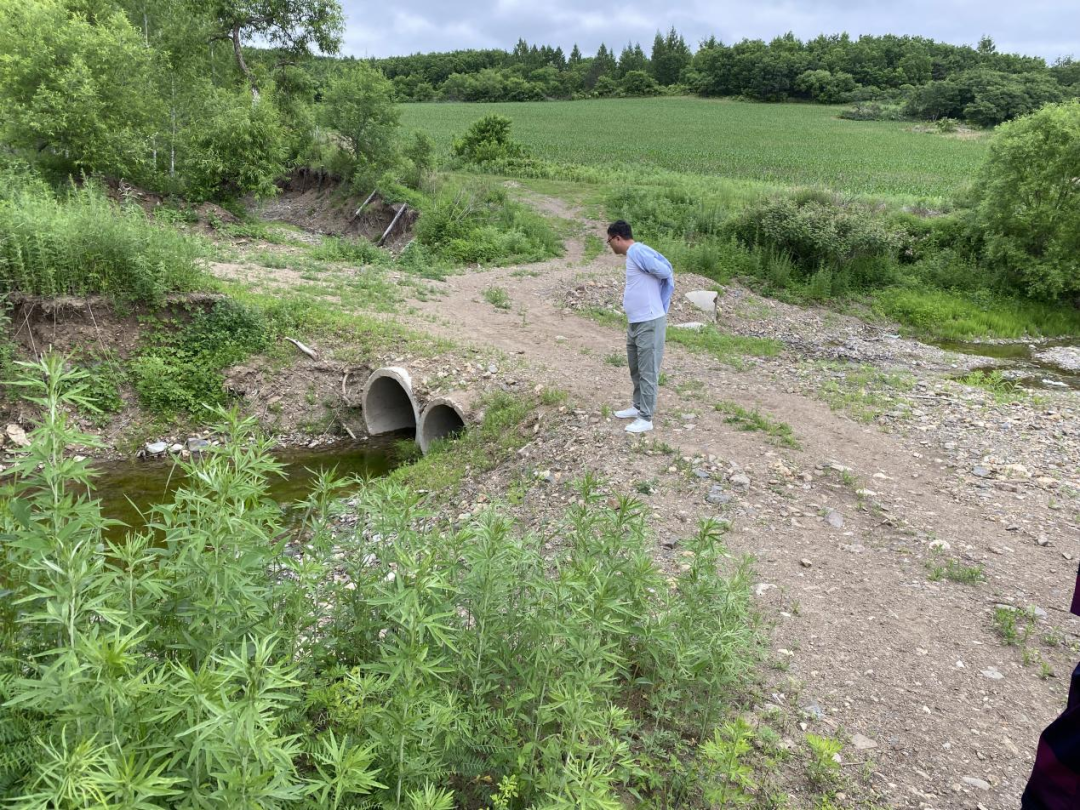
column 498, row 297
column 955, row 571
column 731, row 350
column 863, row 391
column 1003, row 389
column 617, row 359
column 348, row 251
column 955, row 317
column 594, row 246
column 754, row 420
column 1013, row 626
column 605, row 317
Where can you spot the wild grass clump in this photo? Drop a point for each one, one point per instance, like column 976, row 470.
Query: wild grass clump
column 481, row 225
column 80, row 243
column 216, row 658
column 351, row 251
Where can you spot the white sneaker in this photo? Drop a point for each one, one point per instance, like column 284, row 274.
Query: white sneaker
column 639, row 426
column 629, row 413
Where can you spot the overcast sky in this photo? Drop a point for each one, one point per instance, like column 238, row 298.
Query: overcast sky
column 1047, row 28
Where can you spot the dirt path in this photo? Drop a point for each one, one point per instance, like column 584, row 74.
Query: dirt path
column 865, row 643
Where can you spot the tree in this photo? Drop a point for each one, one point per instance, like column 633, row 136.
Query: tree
column 359, row 106
column 670, row 55
column 77, row 88
column 603, row 64
column 291, row 25
column 1029, row 203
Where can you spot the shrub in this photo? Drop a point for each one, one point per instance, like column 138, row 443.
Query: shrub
column 488, row 139
column 816, row 234
column 1028, row 203
column 359, row 105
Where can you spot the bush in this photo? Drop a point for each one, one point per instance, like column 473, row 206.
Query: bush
column 483, row 226
column 1028, row 203
column 359, row 105
column 819, row 235
column 239, row 148
column 488, row 139
column 81, row 243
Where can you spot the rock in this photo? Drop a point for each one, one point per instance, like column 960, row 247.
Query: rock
column 939, row 545
column 980, row 472
column 705, row 300
column 196, row 445
column 740, row 480
column 1042, row 540
column 805, row 563
column 717, row 496
column 16, row 436
column 992, row 673
column 156, row 448
column 814, row 711
column 835, row 519
column 692, row 325
column 1016, row 471
column 1066, row 357
column 176, row 448
column 971, row 781
column 862, row 743
column 702, row 474
column 544, row 475
column 762, row 588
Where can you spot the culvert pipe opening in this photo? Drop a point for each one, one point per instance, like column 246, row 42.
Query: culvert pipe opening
column 441, row 419
column 389, row 404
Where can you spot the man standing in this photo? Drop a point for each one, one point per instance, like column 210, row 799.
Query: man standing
column 646, row 298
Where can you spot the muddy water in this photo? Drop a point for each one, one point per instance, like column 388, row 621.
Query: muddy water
column 1017, row 361
column 128, row 488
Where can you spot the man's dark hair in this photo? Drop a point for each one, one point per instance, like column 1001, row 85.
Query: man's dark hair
column 621, row 229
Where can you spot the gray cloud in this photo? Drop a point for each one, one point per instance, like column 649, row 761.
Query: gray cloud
column 1047, row 28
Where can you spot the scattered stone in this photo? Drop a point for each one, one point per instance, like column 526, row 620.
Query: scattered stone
column 175, row 448
column 835, row 519
column 762, row 588
column 805, row 563
column 992, row 673
column 705, row 300
column 545, row 475
column 702, row 474
column 196, row 445
column 815, row 711
column 1016, row 471
column 156, row 448
column 971, row 781
column 862, row 742
column 980, row 472
column 939, row 545
column 17, row 436
column 717, row 496
column 740, row 480
column 1042, row 540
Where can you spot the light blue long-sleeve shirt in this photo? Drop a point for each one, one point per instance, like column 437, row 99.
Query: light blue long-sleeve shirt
column 650, row 283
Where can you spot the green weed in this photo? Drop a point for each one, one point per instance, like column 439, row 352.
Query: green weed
column 498, row 297
column 753, row 420
column 955, row 571
column 1013, row 626
column 617, row 359
column 823, row 768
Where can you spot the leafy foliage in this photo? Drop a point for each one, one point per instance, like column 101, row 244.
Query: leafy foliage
column 215, row 657
column 358, row 104
column 1029, row 203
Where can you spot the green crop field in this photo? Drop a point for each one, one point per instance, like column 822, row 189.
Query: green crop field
column 783, row 144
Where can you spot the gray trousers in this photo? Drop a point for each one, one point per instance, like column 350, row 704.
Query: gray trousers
column 644, row 353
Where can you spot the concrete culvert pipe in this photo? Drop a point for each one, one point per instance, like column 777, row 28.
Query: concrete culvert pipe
column 442, row 417
column 389, row 403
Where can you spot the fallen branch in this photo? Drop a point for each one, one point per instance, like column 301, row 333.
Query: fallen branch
column 393, row 222
column 363, row 205
column 309, row 352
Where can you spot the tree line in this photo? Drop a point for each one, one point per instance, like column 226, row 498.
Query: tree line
column 921, row 77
